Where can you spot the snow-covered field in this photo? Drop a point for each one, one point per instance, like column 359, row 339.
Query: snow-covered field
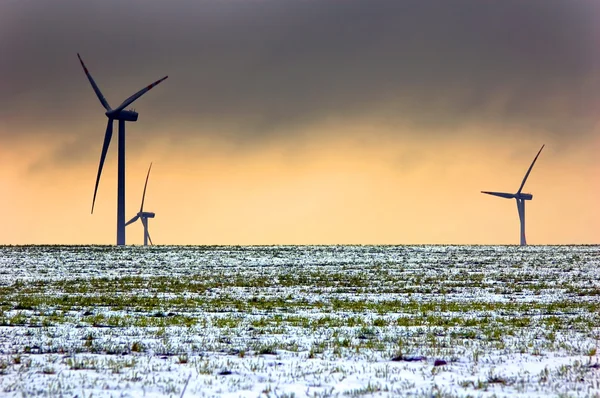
column 313, row 321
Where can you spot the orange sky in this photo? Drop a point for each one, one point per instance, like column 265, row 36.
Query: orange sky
column 303, row 122
column 335, row 191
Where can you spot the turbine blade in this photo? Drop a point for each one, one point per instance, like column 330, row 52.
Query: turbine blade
column 107, row 137
column 137, row 95
column 520, row 209
column 145, row 185
column 529, row 170
column 149, row 238
column 94, row 86
column 146, row 233
column 500, row 194
column 134, row 219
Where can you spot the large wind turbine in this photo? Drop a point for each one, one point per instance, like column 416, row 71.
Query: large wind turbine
column 520, row 198
column 122, row 115
column 144, row 215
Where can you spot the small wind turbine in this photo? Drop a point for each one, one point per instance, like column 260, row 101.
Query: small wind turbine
column 520, row 198
column 122, row 115
column 144, row 215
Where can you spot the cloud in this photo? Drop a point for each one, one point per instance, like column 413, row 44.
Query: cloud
column 259, row 70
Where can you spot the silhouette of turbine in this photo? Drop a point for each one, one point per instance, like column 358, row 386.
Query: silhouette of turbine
column 122, row 115
column 144, row 215
column 520, row 198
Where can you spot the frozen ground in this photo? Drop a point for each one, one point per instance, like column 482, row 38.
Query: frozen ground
column 300, row 321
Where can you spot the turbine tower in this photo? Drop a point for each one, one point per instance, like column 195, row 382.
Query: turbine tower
column 122, row 115
column 144, row 215
column 520, row 198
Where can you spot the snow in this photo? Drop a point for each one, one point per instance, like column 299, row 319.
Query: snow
column 299, row 321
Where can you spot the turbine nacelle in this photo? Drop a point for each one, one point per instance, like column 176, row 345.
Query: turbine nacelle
column 146, row 214
column 126, row 115
column 524, row 196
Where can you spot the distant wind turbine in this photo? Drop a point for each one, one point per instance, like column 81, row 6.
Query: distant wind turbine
column 122, row 115
column 144, row 215
column 520, row 198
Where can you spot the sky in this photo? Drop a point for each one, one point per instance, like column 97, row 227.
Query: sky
column 303, row 121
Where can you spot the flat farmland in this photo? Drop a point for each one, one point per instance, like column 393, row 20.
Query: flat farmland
column 302, row 321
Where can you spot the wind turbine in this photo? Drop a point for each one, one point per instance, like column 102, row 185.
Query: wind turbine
column 144, row 215
column 520, row 198
column 122, row 115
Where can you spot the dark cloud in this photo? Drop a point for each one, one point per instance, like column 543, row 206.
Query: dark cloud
column 265, row 68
